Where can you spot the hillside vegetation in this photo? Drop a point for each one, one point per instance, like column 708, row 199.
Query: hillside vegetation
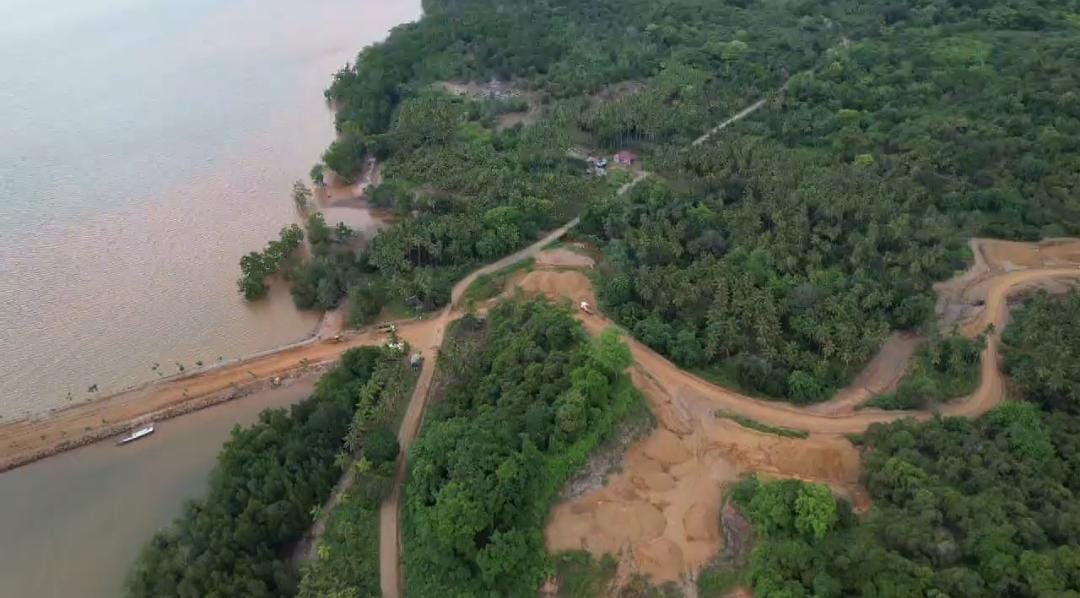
column 960, row 508
column 268, row 479
column 985, row 508
column 527, row 397
column 1042, row 351
column 787, row 248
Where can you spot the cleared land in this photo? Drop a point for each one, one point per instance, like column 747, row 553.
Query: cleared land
column 659, row 513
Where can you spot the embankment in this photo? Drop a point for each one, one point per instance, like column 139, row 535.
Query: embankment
column 28, row 440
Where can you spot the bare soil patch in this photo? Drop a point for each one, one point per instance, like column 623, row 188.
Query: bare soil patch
column 559, row 285
column 661, row 514
column 616, row 92
column 669, row 493
column 562, row 257
column 497, row 90
column 1014, row 255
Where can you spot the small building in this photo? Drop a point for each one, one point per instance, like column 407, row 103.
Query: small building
column 626, row 158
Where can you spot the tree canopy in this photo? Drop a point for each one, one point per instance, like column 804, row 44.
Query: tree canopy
column 787, row 247
column 960, row 508
column 267, row 480
column 989, row 507
column 527, row 397
column 1042, row 350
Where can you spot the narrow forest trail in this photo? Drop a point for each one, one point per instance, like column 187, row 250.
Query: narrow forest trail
column 752, row 108
column 428, row 343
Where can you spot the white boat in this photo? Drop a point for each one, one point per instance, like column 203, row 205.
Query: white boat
column 134, row 435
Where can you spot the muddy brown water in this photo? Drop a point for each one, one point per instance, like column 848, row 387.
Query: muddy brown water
column 148, row 144
column 72, row 525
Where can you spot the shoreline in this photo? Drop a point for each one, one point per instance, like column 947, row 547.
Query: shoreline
column 176, row 410
column 28, row 440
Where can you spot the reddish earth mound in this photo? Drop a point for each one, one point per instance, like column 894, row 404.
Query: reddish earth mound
column 557, row 286
column 563, row 258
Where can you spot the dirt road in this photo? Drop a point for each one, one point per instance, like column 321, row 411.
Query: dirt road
column 752, row 108
column 678, row 383
column 881, row 375
column 390, row 512
column 658, row 514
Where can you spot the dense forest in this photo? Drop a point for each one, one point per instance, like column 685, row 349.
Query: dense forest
column 775, row 257
column 778, row 257
column 960, row 508
column 347, row 557
column 267, row 481
column 473, row 191
column 1042, row 351
column 525, row 396
column 789, row 246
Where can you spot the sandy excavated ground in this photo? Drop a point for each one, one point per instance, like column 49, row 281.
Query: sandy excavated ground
column 558, row 285
column 563, row 258
column 660, row 514
column 1012, row 255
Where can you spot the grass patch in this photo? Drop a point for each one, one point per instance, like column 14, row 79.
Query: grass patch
column 718, row 581
column 582, row 576
column 618, row 177
column 753, row 424
column 491, row 284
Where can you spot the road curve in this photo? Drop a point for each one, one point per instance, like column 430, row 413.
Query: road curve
column 390, row 512
column 990, row 392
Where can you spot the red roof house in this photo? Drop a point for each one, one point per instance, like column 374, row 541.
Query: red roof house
column 626, row 157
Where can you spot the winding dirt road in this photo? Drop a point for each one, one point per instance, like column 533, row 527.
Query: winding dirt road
column 990, row 392
column 659, row 513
